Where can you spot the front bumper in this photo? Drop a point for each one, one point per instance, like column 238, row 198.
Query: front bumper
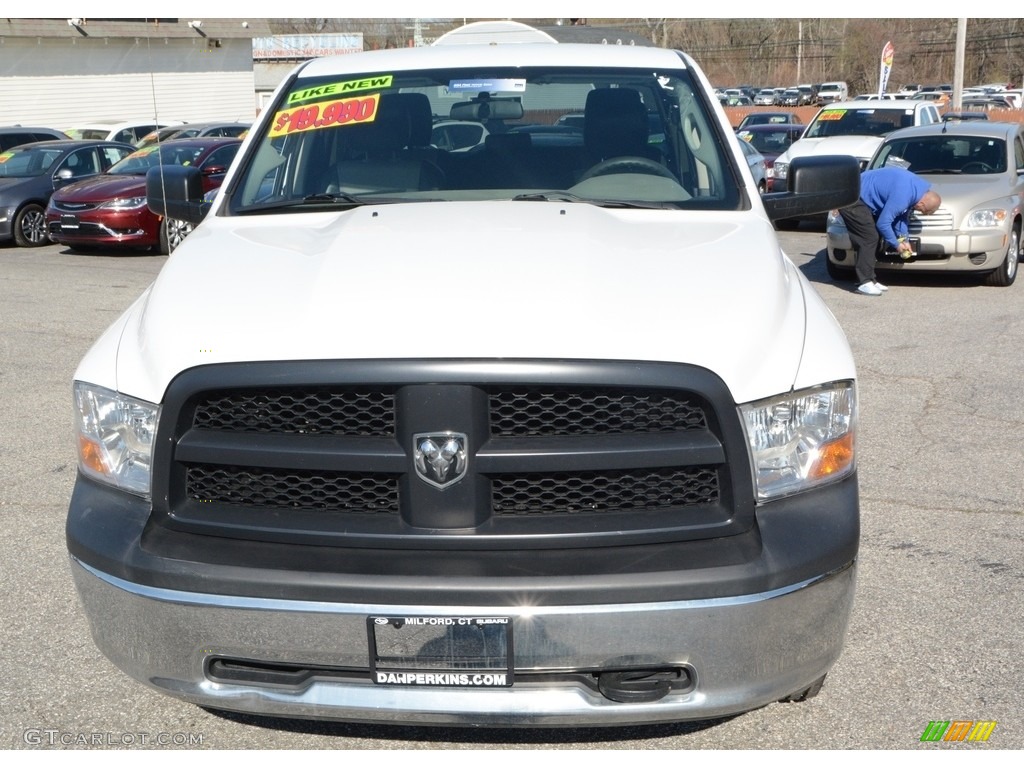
column 748, row 632
column 135, row 228
column 979, row 250
column 744, row 651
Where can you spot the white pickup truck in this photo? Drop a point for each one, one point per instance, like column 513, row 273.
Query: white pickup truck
column 549, row 431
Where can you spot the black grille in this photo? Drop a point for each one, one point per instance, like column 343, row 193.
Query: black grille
column 353, row 413
column 513, row 412
column 562, row 454
column 539, row 413
column 596, row 492
column 280, row 489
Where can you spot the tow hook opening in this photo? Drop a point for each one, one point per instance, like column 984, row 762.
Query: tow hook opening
column 631, row 686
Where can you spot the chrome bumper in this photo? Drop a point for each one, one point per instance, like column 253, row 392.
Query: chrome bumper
column 744, row 651
column 941, row 251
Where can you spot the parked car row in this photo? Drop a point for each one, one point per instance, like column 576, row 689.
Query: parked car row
column 88, row 193
column 991, row 96
column 143, row 132
column 194, row 131
column 122, row 131
column 110, row 209
column 794, row 96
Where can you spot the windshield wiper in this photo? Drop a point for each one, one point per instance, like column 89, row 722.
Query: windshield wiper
column 568, row 197
column 308, row 201
column 333, row 197
column 552, row 196
column 341, row 199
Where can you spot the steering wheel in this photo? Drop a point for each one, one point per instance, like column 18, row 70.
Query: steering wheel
column 628, row 164
column 977, row 167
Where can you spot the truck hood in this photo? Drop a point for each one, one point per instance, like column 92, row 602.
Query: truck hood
column 861, row 147
column 474, row 280
column 103, row 187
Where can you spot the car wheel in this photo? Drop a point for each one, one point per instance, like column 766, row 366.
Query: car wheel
column 805, row 693
column 1007, row 271
column 30, row 226
column 172, row 232
column 762, row 187
column 836, row 272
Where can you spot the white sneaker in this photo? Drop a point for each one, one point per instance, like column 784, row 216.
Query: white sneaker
column 882, row 288
column 869, row 289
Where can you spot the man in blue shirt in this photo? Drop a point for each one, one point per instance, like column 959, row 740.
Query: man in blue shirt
column 887, row 196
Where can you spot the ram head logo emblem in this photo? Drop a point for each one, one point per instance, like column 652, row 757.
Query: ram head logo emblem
column 440, row 457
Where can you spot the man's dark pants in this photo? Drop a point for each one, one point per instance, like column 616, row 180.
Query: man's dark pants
column 860, row 223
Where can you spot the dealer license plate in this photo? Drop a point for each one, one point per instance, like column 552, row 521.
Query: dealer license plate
column 893, row 254
column 68, row 221
column 448, row 651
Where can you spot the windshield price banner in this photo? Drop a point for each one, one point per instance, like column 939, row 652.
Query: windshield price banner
column 339, row 112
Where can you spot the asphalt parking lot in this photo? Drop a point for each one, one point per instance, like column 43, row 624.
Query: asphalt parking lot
column 936, row 630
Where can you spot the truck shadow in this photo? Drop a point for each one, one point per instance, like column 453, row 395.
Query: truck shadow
column 461, row 735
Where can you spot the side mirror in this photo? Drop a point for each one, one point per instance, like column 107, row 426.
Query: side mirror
column 176, row 192
column 63, row 177
column 816, row 184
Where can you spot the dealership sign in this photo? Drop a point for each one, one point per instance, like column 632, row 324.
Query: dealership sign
column 305, row 46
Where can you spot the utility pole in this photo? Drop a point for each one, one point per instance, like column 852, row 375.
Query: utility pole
column 958, row 65
column 799, row 48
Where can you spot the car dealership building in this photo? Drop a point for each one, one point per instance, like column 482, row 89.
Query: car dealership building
column 57, row 72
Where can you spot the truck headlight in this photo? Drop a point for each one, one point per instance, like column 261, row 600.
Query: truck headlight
column 115, row 437
column 800, row 440
column 781, row 170
column 991, row 217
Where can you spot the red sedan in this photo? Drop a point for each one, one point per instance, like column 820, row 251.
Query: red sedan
column 110, row 209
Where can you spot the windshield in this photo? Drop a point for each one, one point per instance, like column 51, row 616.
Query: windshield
column 141, row 160
column 91, row 134
column 611, row 136
column 869, row 121
column 944, row 154
column 22, row 162
column 771, row 142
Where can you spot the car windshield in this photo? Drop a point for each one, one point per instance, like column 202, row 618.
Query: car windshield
column 773, row 142
column 867, row 121
column 619, row 137
column 89, row 134
column 26, row 162
column 141, row 160
column 763, row 119
column 945, row 154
